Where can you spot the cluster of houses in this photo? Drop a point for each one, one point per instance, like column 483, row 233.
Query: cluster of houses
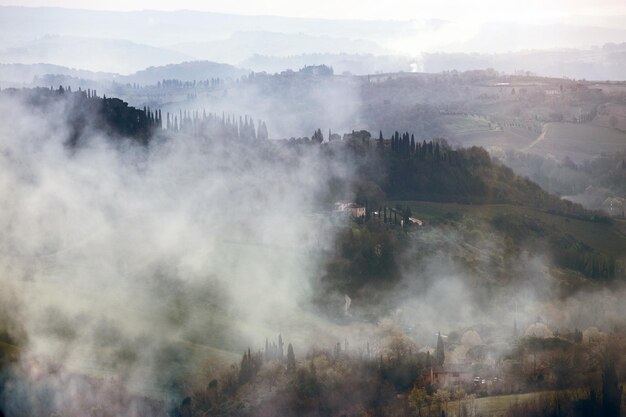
column 357, row 211
column 615, row 206
column 354, row 210
column 533, row 365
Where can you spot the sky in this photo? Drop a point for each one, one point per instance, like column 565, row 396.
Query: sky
column 483, row 10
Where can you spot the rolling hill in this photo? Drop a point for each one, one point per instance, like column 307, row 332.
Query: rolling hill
column 185, row 71
column 109, row 55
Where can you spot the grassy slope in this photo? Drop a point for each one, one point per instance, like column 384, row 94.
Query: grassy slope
column 497, row 405
column 607, row 238
column 475, row 131
column 579, row 141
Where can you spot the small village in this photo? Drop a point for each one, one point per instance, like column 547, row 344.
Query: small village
column 456, row 376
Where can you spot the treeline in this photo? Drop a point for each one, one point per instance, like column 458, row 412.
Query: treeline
column 213, row 126
column 174, row 83
column 291, row 387
column 397, row 168
column 433, row 171
column 405, row 146
column 402, row 167
column 397, row 382
column 87, row 112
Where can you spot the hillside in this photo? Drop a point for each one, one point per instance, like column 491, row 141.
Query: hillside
column 28, row 73
column 466, row 200
column 577, row 142
column 85, row 113
column 486, row 238
column 185, row 71
column 109, row 55
column 362, row 64
column 429, row 179
column 598, row 63
column 432, row 171
column 242, row 45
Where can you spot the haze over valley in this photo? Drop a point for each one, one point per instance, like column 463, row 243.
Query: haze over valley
column 257, row 209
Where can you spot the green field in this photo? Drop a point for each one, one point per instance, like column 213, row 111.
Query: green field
column 498, row 405
column 608, row 238
column 475, row 131
column 578, row 141
column 493, row 406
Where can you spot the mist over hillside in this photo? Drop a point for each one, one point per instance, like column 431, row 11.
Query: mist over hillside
column 108, row 55
column 185, row 72
column 147, row 233
column 598, row 63
column 242, row 45
column 373, row 209
column 20, row 74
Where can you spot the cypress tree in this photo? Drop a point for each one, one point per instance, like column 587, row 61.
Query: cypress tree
column 244, row 370
column 439, row 352
column 291, row 359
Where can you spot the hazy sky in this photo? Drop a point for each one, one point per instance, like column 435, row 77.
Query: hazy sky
column 365, row 9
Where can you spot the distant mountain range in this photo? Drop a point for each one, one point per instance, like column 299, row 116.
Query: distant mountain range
column 358, row 64
column 185, row 71
column 242, row 45
column 111, row 55
column 599, row 63
column 19, row 25
column 127, row 42
column 27, row 73
column 15, row 75
column 158, row 28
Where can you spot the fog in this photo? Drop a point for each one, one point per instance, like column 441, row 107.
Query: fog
column 149, row 270
column 466, row 279
column 148, row 267
column 132, row 262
